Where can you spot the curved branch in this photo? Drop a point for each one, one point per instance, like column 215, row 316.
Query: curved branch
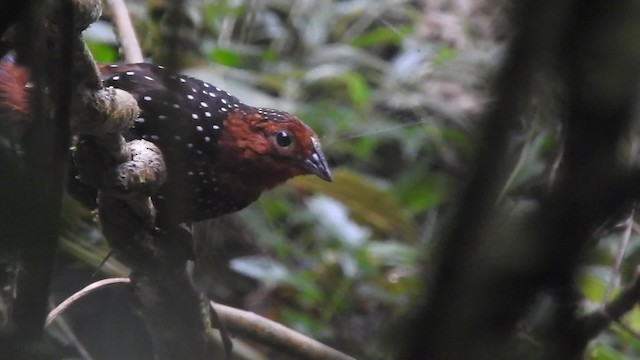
column 91, row 288
column 275, row 335
column 248, row 324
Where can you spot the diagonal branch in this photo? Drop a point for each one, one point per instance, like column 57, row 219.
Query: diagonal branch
column 592, row 324
column 125, row 31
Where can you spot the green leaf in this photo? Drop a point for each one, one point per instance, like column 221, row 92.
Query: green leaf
column 225, row 57
column 420, row 191
column 301, row 322
column 103, row 53
column 382, row 35
column 605, row 352
column 368, row 203
column 444, row 55
column 357, row 88
column 593, row 286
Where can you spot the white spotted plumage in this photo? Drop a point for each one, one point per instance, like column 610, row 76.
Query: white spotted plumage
column 185, row 118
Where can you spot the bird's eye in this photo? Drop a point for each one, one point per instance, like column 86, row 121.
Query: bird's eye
column 283, row 139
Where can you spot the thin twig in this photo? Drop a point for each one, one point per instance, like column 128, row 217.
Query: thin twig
column 82, row 293
column 624, row 242
column 524, row 154
column 104, row 261
column 73, row 339
column 275, row 335
column 125, row 31
column 217, row 322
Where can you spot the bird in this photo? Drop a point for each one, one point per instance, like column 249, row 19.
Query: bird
column 220, row 153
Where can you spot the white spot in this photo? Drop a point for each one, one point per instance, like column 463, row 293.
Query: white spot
column 162, row 117
column 212, row 94
column 176, row 106
column 199, row 128
column 113, row 66
column 129, row 73
column 223, row 101
column 115, row 78
column 182, row 80
column 160, row 67
column 177, row 137
column 216, row 127
column 203, row 104
column 207, row 139
column 190, row 145
column 160, row 197
column 154, row 137
column 190, row 97
column 190, row 173
column 201, row 173
column 205, row 85
column 147, row 98
column 140, row 120
column 223, row 109
column 207, row 114
column 194, row 116
column 148, row 77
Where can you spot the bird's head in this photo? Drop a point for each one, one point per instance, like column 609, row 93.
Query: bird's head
column 268, row 147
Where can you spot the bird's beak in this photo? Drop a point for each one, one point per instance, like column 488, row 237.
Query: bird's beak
column 316, row 164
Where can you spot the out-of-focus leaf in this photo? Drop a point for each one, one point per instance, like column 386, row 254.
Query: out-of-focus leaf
column 369, row 203
column 301, row 322
column 357, row 88
column 392, row 253
column 260, row 268
column 605, row 352
column 633, row 319
column 225, row 57
column 420, row 191
column 593, row 285
column 334, row 216
column 103, row 53
column 626, row 338
column 212, row 11
column 305, row 282
column 443, row 55
column 381, row 35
